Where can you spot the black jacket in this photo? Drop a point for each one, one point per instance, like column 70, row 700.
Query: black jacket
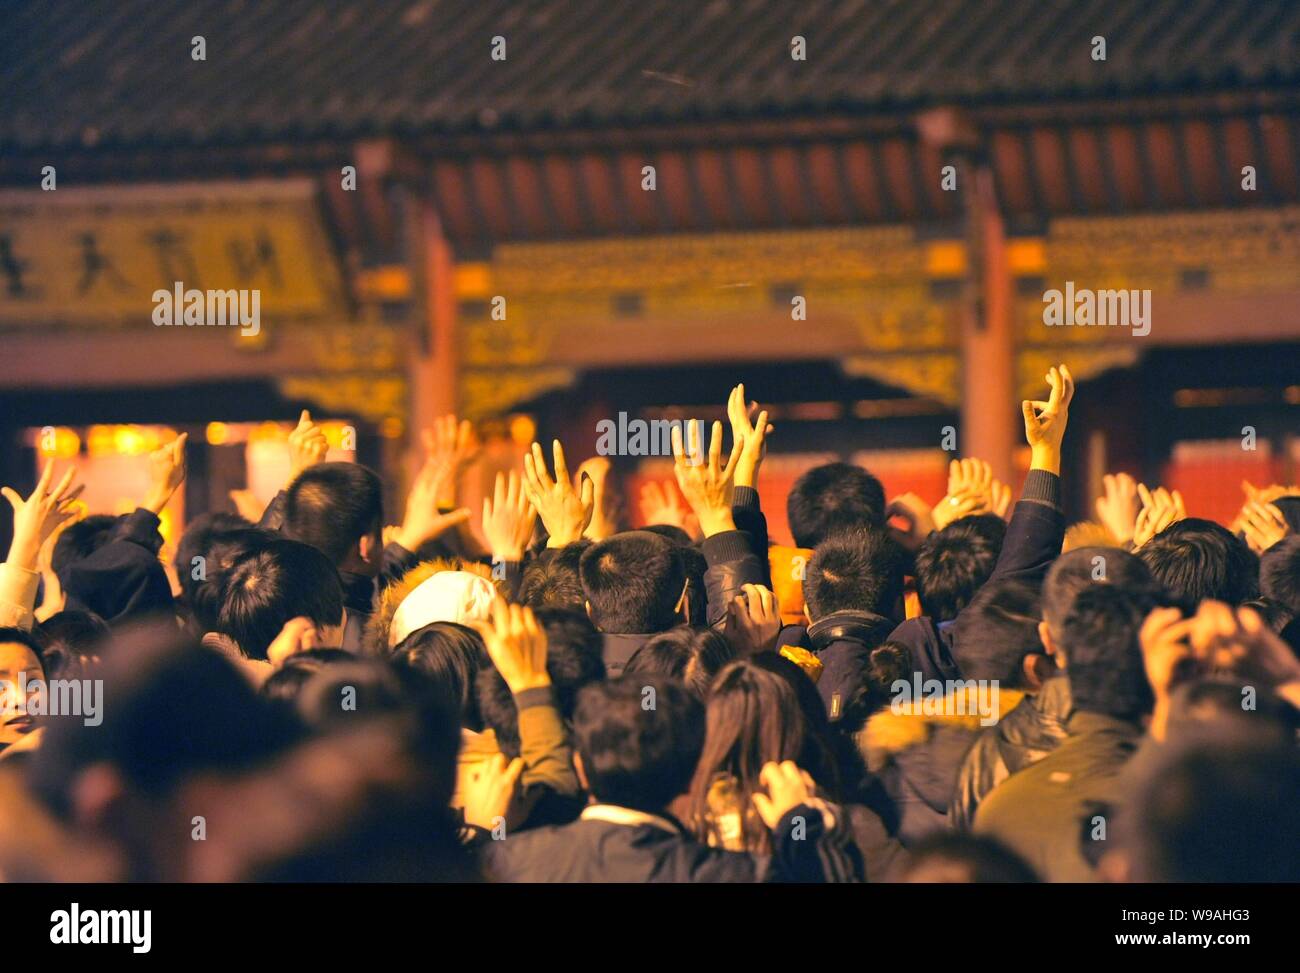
column 1032, row 543
column 1024, row 736
column 124, row 578
column 590, row 850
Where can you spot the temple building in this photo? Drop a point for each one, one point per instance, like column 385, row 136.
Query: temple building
column 543, row 215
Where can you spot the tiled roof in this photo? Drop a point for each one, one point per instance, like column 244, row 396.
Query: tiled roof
column 120, row 72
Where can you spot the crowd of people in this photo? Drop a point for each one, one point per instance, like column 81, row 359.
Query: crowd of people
column 974, row 692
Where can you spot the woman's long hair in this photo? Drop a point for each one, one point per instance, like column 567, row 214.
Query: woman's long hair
column 753, row 718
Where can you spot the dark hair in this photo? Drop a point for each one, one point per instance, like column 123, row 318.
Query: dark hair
column 634, row 755
column 204, row 596
column 1218, row 813
column 348, row 691
column 283, row 685
column 573, row 660
column 1079, row 569
column 22, row 637
column 692, row 655
column 197, row 541
column 831, row 498
column 672, row 533
column 450, row 656
column 695, row 565
column 176, row 708
column 80, row 540
column 280, row 581
column 751, row 718
column 887, row 663
column 822, row 751
column 855, row 570
column 633, row 582
column 1102, row 655
column 331, row 506
column 551, row 578
column 996, row 632
column 965, row 858
column 1279, row 573
column 1210, row 710
column 1197, row 559
column 952, row 564
column 69, row 640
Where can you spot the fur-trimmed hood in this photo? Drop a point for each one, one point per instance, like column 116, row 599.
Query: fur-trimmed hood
column 904, row 725
column 381, row 620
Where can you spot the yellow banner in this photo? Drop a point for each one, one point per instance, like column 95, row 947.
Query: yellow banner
column 92, row 256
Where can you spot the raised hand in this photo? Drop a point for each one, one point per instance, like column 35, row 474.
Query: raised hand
column 1118, row 509
column 1045, row 421
column 508, row 519
column 565, row 512
column 751, row 436
column 1263, row 525
column 40, row 515
column 602, row 523
column 753, row 620
column 450, row 447
column 661, row 504
column 166, row 473
column 917, row 513
column 423, row 521
column 955, row 507
column 297, row 635
column 516, row 644
column 307, row 445
column 706, row 486
column 1159, row 510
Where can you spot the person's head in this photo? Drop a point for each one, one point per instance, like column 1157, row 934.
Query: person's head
column 1279, row 573
column 450, row 657
column 1215, row 813
column 691, row 655
column 80, row 540
column 70, row 641
column 1082, row 568
column 965, row 859
column 996, row 637
column 338, row 509
column 460, row 597
column 282, row 687
column 280, row 581
column 752, row 718
column 1195, row 559
column 855, row 570
column 671, row 533
column 196, row 542
column 633, row 754
column 349, row 691
column 20, row 664
column 953, row 563
column 204, row 582
column 831, row 498
column 1211, row 710
column 551, row 579
column 633, row 583
column 1102, row 655
column 573, row 660
column 172, row 709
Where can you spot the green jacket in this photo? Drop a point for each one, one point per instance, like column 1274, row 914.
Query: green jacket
column 1046, row 812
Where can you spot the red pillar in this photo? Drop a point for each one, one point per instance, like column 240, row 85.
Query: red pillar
column 434, row 365
column 988, row 403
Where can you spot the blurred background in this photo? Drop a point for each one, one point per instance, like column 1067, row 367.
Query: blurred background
column 540, row 215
